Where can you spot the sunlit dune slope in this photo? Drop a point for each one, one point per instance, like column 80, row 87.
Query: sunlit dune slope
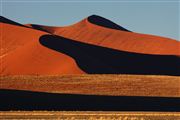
column 23, row 54
column 92, row 30
column 16, row 36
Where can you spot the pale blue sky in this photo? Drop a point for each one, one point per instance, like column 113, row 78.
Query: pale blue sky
column 158, row 17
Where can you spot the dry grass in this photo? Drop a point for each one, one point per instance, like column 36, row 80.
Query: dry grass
column 116, row 85
column 88, row 115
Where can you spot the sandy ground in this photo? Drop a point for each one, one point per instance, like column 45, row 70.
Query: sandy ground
column 115, row 85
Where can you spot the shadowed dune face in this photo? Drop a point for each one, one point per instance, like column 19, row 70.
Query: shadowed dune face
column 100, row 60
column 98, row 20
column 48, row 29
column 7, row 21
column 37, row 27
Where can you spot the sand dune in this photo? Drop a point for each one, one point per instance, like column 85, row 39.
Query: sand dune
column 16, row 36
column 95, row 59
column 23, row 54
column 99, row 31
column 110, row 48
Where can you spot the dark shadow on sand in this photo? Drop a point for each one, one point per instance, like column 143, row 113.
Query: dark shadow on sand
column 25, row 100
column 38, row 27
column 7, row 21
column 34, row 26
column 101, row 60
column 98, row 20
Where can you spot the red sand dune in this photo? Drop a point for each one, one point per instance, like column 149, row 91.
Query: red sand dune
column 21, row 52
column 87, row 32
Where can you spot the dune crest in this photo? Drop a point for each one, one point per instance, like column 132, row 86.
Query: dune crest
column 89, row 31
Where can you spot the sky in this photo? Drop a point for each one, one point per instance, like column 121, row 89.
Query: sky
column 157, row 17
